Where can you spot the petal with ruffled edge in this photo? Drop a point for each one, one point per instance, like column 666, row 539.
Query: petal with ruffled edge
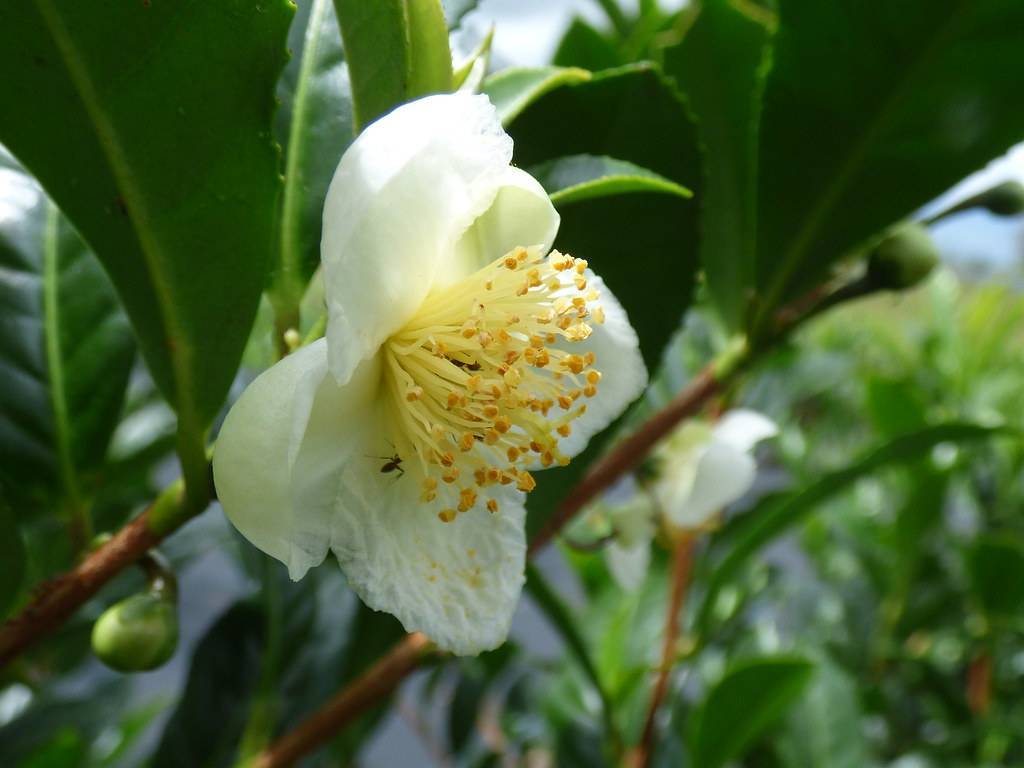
column 278, row 455
column 743, row 429
column 456, row 582
column 722, row 474
column 617, row 356
column 402, row 197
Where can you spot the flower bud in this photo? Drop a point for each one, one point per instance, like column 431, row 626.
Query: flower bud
column 137, row 634
column 1006, row 199
column 904, row 258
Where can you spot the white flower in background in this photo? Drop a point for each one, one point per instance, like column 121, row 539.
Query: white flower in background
column 702, row 469
column 460, row 355
column 705, row 468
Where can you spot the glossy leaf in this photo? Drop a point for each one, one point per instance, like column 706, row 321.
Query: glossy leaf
column 584, row 177
column 770, row 520
column 720, row 65
column 314, row 127
column 871, row 110
column 397, row 50
column 66, row 350
column 751, row 697
column 154, row 137
column 513, row 90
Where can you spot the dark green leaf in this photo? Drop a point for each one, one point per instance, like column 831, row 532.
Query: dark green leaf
column 314, row 126
column 66, row 350
column 208, row 722
column 752, row 696
column 585, row 47
column 720, row 66
column 894, row 406
column 513, row 90
column 12, row 558
column 397, row 50
column 773, row 518
column 153, row 135
column 584, row 177
column 871, row 110
column 995, row 565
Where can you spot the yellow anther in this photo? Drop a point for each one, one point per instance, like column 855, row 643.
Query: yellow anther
column 513, row 453
column 581, row 283
column 492, row 506
column 453, row 400
column 564, row 430
column 590, row 390
column 502, row 424
column 491, row 436
column 597, row 314
column 466, row 442
column 490, row 411
column 511, row 262
column 581, row 266
column 593, row 377
column 450, row 475
column 521, row 253
column 536, row 342
column 564, row 402
column 446, row 459
column 414, row 394
column 489, row 285
column 446, row 515
column 526, row 481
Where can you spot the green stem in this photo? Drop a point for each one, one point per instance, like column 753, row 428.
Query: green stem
column 561, row 618
column 262, row 714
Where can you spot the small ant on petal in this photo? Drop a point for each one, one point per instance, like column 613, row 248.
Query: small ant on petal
column 392, row 463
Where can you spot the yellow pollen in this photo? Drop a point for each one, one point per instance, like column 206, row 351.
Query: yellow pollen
column 479, row 389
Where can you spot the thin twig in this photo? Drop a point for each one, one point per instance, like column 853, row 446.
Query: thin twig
column 55, row 600
column 368, row 689
column 682, row 559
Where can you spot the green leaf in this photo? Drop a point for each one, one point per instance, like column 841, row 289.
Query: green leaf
column 315, row 127
column 824, row 728
column 773, row 518
column 585, row 47
column 752, row 696
column 208, row 721
column 12, row 558
column 513, row 90
column 871, row 110
column 153, row 135
column 455, row 11
column 584, row 177
column 720, row 65
column 397, row 50
column 995, row 566
column 65, row 351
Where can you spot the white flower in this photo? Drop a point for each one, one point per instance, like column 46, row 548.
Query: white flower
column 459, row 356
column 704, row 469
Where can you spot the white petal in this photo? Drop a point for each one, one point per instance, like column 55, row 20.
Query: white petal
column 276, row 458
column 521, row 215
column 623, row 373
column 722, row 475
column 456, row 582
column 401, row 198
column 743, row 429
column 628, row 565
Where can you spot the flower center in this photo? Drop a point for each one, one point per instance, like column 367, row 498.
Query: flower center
column 477, row 384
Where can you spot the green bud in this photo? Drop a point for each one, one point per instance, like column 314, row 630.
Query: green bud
column 137, row 634
column 904, row 258
column 1006, row 199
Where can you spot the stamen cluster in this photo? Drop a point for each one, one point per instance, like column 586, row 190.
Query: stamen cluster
column 479, row 385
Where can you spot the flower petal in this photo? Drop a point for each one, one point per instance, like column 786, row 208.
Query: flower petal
column 456, row 582
column 623, row 373
column 723, row 474
column 628, row 565
column 401, row 198
column 521, row 215
column 277, row 455
column 743, row 429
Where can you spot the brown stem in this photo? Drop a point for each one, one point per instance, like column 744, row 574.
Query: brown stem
column 368, row 689
column 682, row 559
column 55, row 600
